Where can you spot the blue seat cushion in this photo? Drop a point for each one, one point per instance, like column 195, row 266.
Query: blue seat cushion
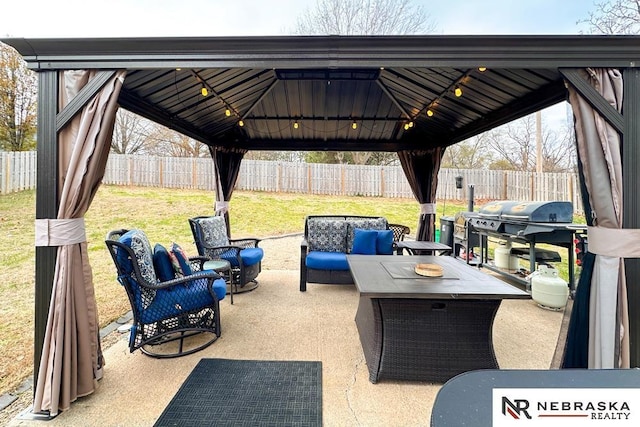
column 179, row 299
column 162, row 263
column 250, row 256
column 320, row 260
column 364, row 242
column 384, row 242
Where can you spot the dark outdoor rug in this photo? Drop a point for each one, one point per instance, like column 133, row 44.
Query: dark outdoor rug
column 221, row 392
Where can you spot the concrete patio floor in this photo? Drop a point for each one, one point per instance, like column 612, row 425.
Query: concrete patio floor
column 278, row 322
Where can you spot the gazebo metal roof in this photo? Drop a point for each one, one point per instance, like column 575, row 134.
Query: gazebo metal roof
column 382, row 84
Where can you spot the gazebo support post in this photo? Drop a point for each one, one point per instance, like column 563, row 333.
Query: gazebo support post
column 631, row 209
column 46, row 204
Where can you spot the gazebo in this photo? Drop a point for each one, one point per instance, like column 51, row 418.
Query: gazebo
column 414, row 95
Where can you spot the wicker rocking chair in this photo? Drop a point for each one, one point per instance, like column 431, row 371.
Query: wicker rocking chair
column 169, row 309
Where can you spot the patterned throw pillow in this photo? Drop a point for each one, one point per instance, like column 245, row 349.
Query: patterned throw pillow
column 365, row 224
column 327, row 235
column 180, row 261
column 214, row 233
column 139, row 244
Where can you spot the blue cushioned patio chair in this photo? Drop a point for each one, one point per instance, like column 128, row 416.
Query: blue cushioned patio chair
column 244, row 255
column 169, row 307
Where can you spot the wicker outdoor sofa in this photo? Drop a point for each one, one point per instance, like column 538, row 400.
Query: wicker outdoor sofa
column 329, row 238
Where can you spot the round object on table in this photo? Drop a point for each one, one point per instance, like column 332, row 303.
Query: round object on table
column 429, row 270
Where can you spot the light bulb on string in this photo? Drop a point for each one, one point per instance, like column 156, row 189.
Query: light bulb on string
column 241, row 123
column 354, row 125
column 430, row 113
column 227, row 112
column 204, row 91
column 458, row 91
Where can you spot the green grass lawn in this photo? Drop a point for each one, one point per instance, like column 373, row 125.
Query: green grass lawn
column 162, row 214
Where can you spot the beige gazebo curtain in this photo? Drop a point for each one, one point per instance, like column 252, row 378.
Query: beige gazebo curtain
column 71, row 359
column 599, row 152
column 421, row 168
column 227, row 163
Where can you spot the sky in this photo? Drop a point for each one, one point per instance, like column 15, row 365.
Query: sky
column 137, row 18
column 171, row 18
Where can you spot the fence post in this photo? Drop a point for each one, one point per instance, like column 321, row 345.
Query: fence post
column 6, row 174
column 382, row 189
column 532, row 193
column 570, row 188
column 505, row 181
column 130, row 167
column 278, row 177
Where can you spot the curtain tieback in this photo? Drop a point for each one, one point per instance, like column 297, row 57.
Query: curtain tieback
column 222, row 207
column 614, row 242
column 60, row 232
column 427, row 208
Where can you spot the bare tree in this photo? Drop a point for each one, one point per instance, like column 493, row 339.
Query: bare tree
column 364, row 17
column 473, row 153
column 131, row 133
column 165, row 142
column 515, row 146
column 614, row 17
column 18, row 102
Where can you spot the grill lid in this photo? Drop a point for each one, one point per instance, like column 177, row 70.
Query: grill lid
column 496, row 208
column 529, row 211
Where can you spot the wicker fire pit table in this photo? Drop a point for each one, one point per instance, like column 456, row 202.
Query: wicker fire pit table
column 426, row 328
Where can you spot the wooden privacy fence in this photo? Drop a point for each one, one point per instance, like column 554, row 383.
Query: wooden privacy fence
column 18, row 172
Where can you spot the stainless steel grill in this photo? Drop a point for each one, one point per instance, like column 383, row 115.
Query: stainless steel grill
column 528, row 223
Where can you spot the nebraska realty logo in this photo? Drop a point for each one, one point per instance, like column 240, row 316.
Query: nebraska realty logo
column 566, row 407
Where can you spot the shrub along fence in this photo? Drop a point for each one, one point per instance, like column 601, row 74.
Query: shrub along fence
column 18, row 172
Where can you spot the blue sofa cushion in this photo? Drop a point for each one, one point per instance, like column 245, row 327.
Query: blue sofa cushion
column 180, row 261
column 328, row 235
column 384, row 242
column 321, row 260
column 249, row 256
column 364, row 224
column 162, row 263
column 364, row 242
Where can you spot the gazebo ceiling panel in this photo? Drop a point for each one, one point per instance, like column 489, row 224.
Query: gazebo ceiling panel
column 381, row 83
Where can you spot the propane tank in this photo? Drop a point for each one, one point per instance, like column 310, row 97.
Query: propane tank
column 503, row 258
column 547, row 289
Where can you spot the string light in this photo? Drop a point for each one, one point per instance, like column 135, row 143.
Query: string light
column 296, row 125
column 430, row 112
column 458, row 91
column 482, row 69
column 241, row 123
column 354, row 125
column 204, row 91
column 227, row 112
column 408, row 125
